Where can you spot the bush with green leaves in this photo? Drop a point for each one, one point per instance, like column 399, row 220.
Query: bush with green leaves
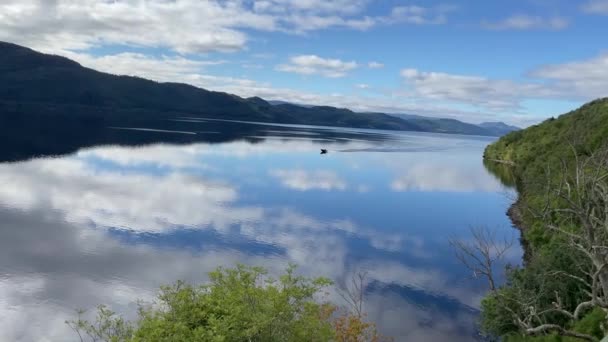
column 237, row 304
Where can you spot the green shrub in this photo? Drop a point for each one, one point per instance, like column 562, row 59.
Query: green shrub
column 238, row 304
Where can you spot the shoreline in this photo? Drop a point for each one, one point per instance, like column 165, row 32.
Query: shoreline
column 515, row 215
column 500, row 161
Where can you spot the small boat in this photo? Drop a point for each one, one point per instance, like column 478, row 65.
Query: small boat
column 323, row 151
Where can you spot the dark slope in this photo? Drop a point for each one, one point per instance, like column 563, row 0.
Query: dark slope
column 444, row 125
column 450, row 126
column 52, row 83
column 27, row 76
column 321, row 115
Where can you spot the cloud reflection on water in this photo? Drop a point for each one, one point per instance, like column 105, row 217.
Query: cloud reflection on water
column 58, row 251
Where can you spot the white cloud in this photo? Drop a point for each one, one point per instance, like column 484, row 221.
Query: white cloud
column 184, row 26
column 434, row 176
column 315, row 65
column 596, row 7
column 110, row 199
column 375, row 65
column 307, row 15
column 160, row 155
column 311, row 6
column 413, row 15
column 304, row 180
column 473, row 90
column 419, row 15
column 362, row 86
column 585, row 79
column 528, row 22
column 574, row 81
column 164, row 68
column 303, row 23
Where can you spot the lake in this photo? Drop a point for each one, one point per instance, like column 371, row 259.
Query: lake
column 110, row 224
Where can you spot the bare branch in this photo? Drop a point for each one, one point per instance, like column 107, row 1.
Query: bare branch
column 483, row 253
column 354, row 295
column 549, row 328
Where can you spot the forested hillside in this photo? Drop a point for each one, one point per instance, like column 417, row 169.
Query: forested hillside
column 560, row 168
column 533, row 149
column 28, row 77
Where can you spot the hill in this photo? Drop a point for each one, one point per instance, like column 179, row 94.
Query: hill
column 451, row 126
column 560, row 170
column 444, row 125
column 498, row 128
column 48, row 84
column 536, row 147
column 29, row 77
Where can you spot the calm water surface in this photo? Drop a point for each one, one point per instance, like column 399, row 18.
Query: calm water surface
column 111, row 224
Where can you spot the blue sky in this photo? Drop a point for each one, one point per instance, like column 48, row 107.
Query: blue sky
column 518, row 61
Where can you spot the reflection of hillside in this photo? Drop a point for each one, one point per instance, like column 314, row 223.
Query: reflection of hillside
column 435, row 316
column 502, row 172
column 62, row 133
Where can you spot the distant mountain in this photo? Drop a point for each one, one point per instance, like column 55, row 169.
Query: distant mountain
column 277, row 102
column 450, row 126
column 442, row 125
column 498, row 128
column 412, row 116
column 35, row 84
column 439, row 125
column 29, row 77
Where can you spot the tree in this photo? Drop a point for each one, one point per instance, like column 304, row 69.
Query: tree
column 481, row 255
column 106, row 327
column 351, row 325
column 238, row 304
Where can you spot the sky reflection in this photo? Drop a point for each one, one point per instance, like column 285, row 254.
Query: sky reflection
column 111, row 224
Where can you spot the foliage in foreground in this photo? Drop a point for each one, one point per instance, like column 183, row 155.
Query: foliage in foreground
column 238, row 304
